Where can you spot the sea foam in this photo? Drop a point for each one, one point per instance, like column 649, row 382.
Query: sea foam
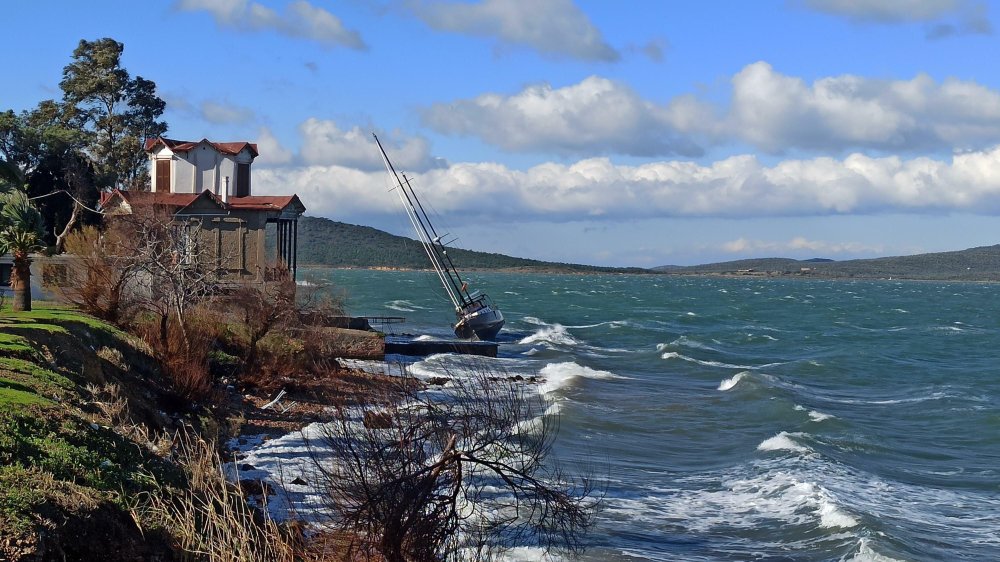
column 551, row 334
column 402, row 306
column 560, row 375
column 731, row 382
column 783, row 442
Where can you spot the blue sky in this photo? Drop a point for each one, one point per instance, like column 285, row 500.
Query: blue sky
column 636, row 133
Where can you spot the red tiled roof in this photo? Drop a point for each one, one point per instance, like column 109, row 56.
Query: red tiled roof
column 173, row 200
column 262, row 202
column 186, row 146
column 181, row 200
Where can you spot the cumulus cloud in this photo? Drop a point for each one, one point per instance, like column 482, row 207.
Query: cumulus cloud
column 270, row 151
column 595, row 116
column 325, row 144
column 772, row 111
column 775, row 112
column 798, row 244
column 300, row 19
column 942, row 18
column 551, row 27
column 596, row 189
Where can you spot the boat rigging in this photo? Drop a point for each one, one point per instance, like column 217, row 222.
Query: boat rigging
column 476, row 315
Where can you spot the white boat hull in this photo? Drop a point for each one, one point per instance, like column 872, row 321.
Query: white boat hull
column 483, row 324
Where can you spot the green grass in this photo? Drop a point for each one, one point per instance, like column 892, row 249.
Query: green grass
column 21, row 396
column 31, row 371
column 52, row 316
column 20, row 494
column 74, row 450
column 14, row 345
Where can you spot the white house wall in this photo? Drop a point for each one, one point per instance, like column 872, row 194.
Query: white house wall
column 199, row 169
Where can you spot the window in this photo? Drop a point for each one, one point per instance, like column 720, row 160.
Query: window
column 242, row 180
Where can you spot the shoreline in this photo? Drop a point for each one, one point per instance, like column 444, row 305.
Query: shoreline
column 700, row 274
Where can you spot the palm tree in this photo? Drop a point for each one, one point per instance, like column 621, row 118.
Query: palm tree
column 21, row 230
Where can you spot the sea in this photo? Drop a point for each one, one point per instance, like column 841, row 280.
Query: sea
column 749, row 418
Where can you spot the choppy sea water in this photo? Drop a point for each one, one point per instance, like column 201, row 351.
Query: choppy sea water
column 749, row 419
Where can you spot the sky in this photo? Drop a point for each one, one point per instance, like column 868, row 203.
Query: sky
column 637, row 133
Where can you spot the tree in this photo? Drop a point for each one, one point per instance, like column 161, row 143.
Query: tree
column 175, row 271
column 48, row 156
column 116, row 111
column 429, row 476
column 21, row 229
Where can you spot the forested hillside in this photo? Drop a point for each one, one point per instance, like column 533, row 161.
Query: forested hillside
column 323, row 242
column 974, row 264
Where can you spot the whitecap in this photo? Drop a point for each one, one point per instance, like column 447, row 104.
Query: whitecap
column 675, row 355
column 813, row 414
column 782, row 442
column 729, row 383
column 831, row 516
column 402, row 306
column 551, row 334
column 819, row 416
column 867, row 554
column 559, row 375
column 693, row 343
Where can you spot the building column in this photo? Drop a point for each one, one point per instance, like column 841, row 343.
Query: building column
column 280, row 242
column 295, row 247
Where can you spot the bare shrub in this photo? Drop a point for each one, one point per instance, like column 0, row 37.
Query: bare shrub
column 458, row 476
column 99, row 275
column 210, row 519
column 185, row 361
column 261, row 308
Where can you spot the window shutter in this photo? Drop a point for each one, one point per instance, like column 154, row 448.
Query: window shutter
column 163, row 176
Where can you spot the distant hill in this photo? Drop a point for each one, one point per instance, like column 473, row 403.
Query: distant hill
column 323, row 242
column 974, row 264
column 327, row 243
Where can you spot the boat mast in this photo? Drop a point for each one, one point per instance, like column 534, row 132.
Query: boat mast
column 406, row 196
column 449, row 267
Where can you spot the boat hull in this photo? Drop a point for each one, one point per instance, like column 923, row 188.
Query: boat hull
column 483, row 324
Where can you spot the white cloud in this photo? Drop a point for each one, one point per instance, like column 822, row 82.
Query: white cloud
column 798, row 245
column 324, row 143
column 942, row 18
column 270, row 151
column 595, row 116
column 300, row 20
column 776, row 112
column 551, row 27
column 772, row 111
column 737, row 187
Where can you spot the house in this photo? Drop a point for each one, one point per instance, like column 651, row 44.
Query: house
column 206, row 187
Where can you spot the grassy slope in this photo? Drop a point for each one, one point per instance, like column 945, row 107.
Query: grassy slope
column 65, row 473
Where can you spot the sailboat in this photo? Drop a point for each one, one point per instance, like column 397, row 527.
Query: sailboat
column 476, row 315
